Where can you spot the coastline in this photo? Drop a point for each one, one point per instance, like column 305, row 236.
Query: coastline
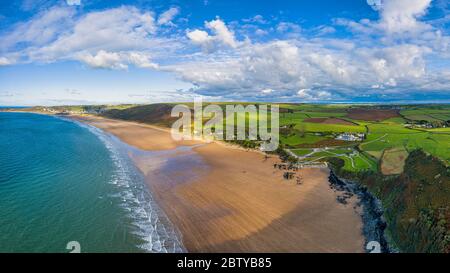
column 233, row 200
column 149, row 222
column 81, row 185
column 223, row 198
column 374, row 224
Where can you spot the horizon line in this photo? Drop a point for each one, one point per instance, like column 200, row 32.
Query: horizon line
column 259, row 102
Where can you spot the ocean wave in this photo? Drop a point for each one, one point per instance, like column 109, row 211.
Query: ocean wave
column 148, row 221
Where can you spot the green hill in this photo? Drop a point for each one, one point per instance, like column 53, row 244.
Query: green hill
column 416, row 202
column 157, row 114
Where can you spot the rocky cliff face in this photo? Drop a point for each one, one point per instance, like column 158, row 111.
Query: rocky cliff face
column 416, row 203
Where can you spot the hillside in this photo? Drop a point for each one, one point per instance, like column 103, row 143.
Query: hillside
column 157, row 114
column 416, row 202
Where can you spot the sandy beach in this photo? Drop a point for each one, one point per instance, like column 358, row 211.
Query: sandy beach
column 235, row 200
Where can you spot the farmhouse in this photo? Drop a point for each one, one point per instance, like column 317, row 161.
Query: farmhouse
column 351, row 137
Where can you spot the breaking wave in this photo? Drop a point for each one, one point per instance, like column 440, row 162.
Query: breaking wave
column 148, row 221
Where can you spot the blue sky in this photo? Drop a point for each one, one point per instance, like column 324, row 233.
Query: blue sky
column 91, row 51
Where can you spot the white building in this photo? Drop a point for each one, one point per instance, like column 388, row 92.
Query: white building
column 351, row 137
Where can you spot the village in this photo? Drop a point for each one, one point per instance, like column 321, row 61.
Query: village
column 424, row 124
column 72, row 111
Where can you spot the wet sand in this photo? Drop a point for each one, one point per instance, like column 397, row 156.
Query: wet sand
column 225, row 199
column 142, row 136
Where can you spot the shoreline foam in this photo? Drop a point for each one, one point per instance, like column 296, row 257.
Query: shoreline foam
column 149, row 222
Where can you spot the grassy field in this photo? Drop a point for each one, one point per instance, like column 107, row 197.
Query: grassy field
column 430, row 114
column 304, row 127
column 393, row 161
column 384, row 139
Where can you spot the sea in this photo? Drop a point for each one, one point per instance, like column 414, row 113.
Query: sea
column 69, row 187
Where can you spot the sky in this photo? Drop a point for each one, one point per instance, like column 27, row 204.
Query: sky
column 55, row 52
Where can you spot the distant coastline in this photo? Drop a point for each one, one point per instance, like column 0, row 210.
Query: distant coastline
column 13, row 107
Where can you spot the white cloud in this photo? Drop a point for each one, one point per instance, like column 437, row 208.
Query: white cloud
column 199, row 37
column 5, row 61
column 124, row 28
column 166, row 17
column 304, row 93
column 267, row 91
column 73, row 2
column 391, row 54
column 254, row 68
column 222, row 36
column 111, row 38
column 321, row 71
column 259, row 19
column 103, row 59
column 141, row 60
column 311, row 95
column 40, row 30
column 398, row 18
column 116, row 60
column 222, row 33
column 289, row 27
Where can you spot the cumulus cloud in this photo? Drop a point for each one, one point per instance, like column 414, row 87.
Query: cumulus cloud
column 199, row 37
column 318, row 70
column 124, row 28
column 116, row 60
column 222, row 33
column 166, row 17
column 267, row 91
column 390, row 54
column 398, row 18
column 141, row 60
column 4, row 61
column 402, row 15
column 113, row 38
column 221, row 36
column 103, row 59
column 276, row 65
column 311, row 95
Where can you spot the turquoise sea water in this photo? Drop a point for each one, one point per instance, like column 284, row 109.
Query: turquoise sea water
column 62, row 181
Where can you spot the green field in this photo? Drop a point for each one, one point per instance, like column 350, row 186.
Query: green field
column 302, row 128
column 430, row 114
column 391, row 134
